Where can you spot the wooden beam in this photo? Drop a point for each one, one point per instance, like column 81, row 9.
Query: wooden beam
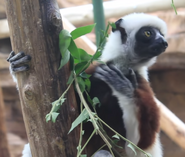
column 172, row 125
column 6, row 79
column 34, row 27
column 84, row 14
column 169, row 61
column 4, row 148
column 3, row 63
column 4, row 29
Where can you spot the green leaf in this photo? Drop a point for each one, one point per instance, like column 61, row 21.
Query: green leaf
column 54, row 116
column 116, row 136
column 89, row 99
column 88, row 84
column 65, row 59
column 48, row 117
column 64, row 41
column 95, row 101
column 81, row 84
column 71, row 61
column 113, row 25
column 80, row 67
column 83, row 155
column 79, row 148
column 71, row 78
column 74, row 50
column 83, row 116
column 57, row 104
column 82, row 31
column 84, row 56
column 84, row 75
column 62, row 101
column 83, row 132
column 132, row 147
column 97, row 55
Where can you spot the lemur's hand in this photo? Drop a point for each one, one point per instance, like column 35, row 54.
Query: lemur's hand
column 18, row 62
column 116, row 80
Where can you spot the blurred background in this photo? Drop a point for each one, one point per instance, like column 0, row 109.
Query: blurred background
column 167, row 76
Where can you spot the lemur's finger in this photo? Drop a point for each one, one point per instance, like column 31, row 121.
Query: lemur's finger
column 133, row 78
column 105, row 67
column 11, row 55
column 22, row 60
column 101, row 70
column 112, row 67
column 19, row 69
column 17, row 56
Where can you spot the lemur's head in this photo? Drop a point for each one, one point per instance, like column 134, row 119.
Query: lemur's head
column 138, row 38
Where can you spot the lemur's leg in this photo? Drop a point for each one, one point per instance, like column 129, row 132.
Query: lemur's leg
column 140, row 112
column 18, row 62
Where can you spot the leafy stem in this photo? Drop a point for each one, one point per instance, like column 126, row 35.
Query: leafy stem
column 81, row 132
column 86, row 143
column 85, row 103
column 173, row 6
column 91, row 114
column 122, row 136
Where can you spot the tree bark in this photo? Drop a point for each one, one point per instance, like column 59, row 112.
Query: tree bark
column 4, row 150
column 34, row 29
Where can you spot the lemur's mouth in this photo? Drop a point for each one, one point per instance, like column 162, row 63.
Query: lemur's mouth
column 158, row 48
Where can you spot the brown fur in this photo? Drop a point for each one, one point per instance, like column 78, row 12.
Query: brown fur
column 148, row 114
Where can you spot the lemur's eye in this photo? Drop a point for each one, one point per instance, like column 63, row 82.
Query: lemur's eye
column 148, row 33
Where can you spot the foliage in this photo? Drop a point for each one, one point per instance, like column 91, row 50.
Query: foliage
column 79, row 61
column 173, row 6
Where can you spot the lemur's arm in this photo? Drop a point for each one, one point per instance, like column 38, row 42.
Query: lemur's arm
column 18, row 63
column 140, row 112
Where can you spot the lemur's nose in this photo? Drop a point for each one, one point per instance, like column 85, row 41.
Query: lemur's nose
column 165, row 43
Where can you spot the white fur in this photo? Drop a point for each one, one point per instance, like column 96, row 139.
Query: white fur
column 130, row 116
column 131, row 123
column 26, row 151
column 133, row 22
column 112, row 51
column 13, row 75
column 116, row 49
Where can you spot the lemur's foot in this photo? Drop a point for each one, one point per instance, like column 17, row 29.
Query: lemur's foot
column 18, row 62
column 115, row 79
column 103, row 153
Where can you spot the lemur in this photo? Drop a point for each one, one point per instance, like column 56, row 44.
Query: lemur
column 127, row 100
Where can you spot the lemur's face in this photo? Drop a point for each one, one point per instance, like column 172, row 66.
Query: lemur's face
column 140, row 45
column 149, row 42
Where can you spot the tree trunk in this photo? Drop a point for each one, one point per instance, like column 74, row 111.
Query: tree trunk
column 34, row 29
column 4, row 150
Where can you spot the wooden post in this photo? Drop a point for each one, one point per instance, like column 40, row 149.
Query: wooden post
column 4, row 150
column 34, row 28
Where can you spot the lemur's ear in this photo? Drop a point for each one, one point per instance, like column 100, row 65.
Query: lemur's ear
column 121, row 29
column 117, row 23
